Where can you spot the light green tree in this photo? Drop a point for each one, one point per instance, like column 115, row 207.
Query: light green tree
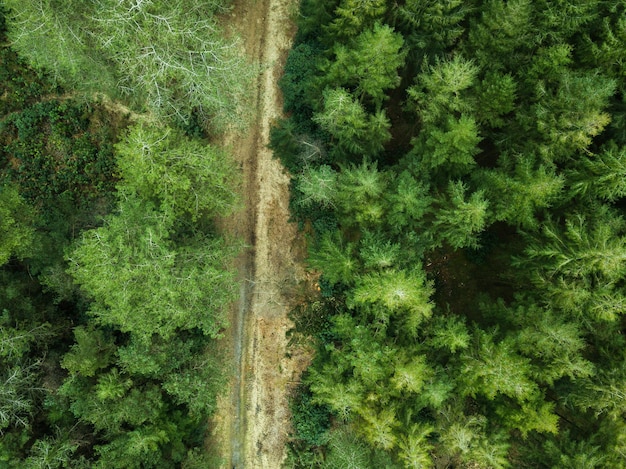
column 318, row 185
column 369, row 65
column 168, row 58
column 142, row 283
column 602, row 175
column 443, row 89
column 584, row 246
column 360, row 194
column 408, row 202
column 354, row 16
column 570, row 112
column 356, row 132
column 397, row 293
column 491, row 368
column 460, row 219
column 449, row 147
column 179, row 174
column 519, row 195
column 335, row 257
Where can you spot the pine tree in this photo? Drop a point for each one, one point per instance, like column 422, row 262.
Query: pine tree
column 356, row 132
column 602, row 176
column 584, row 246
column 448, row 148
column 360, row 195
column 415, row 447
column 352, row 17
column 431, row 26
column 318, row 185
column 335, row 257
column 491, row 368
column 369, row 65
column 504, row 34
column 399, row 292
column 459, row 221
column 518, row 196
column 408, row 202
column 443, row 89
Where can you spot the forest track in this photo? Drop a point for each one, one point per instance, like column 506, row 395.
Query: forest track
column 252, row 422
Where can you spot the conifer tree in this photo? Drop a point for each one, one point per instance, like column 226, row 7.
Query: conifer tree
column 369, row 65
column 518, row 196
column 431, row 26
column 602, row 176
column 336, row 257
column 360, row 194
column 458, row 221
column 356, row 132
column 353, row 17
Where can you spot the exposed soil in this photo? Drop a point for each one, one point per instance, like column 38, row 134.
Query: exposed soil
column 252, row 424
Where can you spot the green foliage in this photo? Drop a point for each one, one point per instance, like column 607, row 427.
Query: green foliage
column 395, row 292
column 131, row 264
column 311, row 422
column 431, row 26
column 496, row 98
column 449, row 333
column 443, row 88
column 165, row 57
column 317, row 186
column 198, row 381
column 517, row 196
column 346, row 450
column 178, row 174
column 580, row 247
column 600, row 176
column 491, row 368
column 353, row 17
column 54, row 452
column 20, row 390
column 298, row 73
column 20, row 86
column 360, row 194
column 415, row 448
column 571, row 112
column 54, row 152
column 504, row 127
column 16, row 225
column 369, row 65
column 451, row 147
column 129, row 397
column 459, row 221
column 408, row 202
column 356, row 132
column 336, row 258
column 504, row 34
column 377, row 253
column 91, row 352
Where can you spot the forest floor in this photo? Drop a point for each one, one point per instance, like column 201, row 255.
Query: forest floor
column 251, row 426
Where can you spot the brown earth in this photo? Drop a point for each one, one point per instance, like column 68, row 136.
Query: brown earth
column 251, row 426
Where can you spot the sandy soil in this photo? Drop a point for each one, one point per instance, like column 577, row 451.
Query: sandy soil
column 252, row 424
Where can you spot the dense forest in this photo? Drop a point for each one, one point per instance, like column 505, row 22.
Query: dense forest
column 460, row 169
column 114, row 276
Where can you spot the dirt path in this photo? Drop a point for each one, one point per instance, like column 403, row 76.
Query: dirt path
column 252, row 423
